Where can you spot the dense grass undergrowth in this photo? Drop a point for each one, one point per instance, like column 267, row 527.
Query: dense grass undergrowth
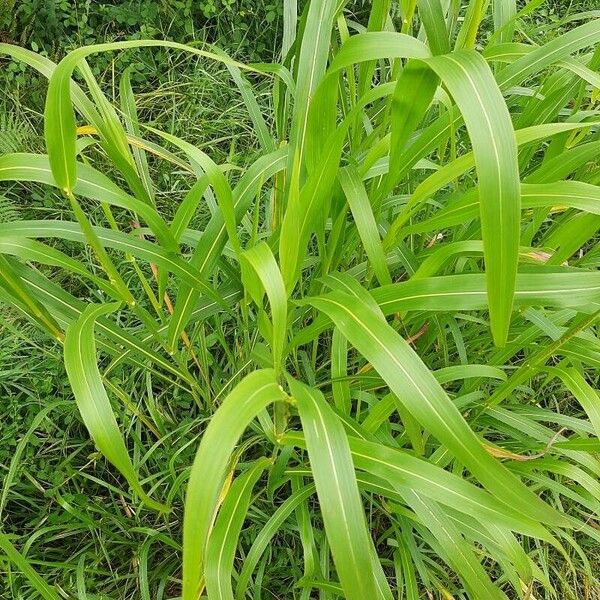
column 339, row 341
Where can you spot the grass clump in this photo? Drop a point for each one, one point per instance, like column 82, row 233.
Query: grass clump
column 355, row 358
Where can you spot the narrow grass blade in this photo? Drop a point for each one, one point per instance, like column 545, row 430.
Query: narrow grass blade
column 355, row 559
column 471, row 22
column 457, row 551
column 488, row 121
column 92, row 400
column 586, row 395
column 246, row 400
column 551, row 52
column 405, row 471
column 432, row 16
column 261, row 275
column 59, row 122
column 129, row 109
column 10, row 281
column 39, row 584
column 358, row 200
column 222, row 543
column 37, row 252
column 267, row 533
column 213, row 239
column 312, row 60
column 407, row 110
column 215, row 177
column 90, row 184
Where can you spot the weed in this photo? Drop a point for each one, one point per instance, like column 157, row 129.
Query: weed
column 355, row 360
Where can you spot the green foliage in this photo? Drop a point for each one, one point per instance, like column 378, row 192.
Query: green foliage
column 356, row 359
column 15, row 135
column 8, row 211
column 247, row 28
column 42, row 24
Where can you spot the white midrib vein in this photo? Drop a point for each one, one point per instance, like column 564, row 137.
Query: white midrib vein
column 238, row 500
column 311, row 76
column 543, row 57
column 324, row 431
column 493, row 144
column 415, row 475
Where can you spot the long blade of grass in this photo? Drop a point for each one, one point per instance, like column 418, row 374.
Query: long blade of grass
column 11, row 282
column 358, row 200
column 209, row 470
column 59, row 124
column 90, row 184
column 312, row 60
column 457, row 551
column 488, row 121
column 213, row 239
column 129, row 109
column 267, row 533
column 261, row 276
column 39, row 584
column 586, row 395
column 553, row 51
column 92, row 399
column 580, row 290
column 68, row 308
column 222, row 543
column 353, row 553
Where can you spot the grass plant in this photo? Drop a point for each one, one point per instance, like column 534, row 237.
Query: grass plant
column 358, row 360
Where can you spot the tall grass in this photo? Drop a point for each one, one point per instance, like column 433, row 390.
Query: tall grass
column 373, row 314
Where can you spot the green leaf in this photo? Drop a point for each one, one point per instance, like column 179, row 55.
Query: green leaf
column 266, row 534
column 210, row 246
column 353, row 553
column 222, row 543
column 488, row 121
column 432, row 16
column 215, row 177
column 10, row 281
column 21, row 562
column 406, row 113
column 90, row 184
column 65, row 308
column 245, row 401
column 466, row 292
column 543, row 56
column 358, row 200
column 92, row 400
column 404, row 471
column 456, row 551
column 586, row 395
column 261, row 275
column 581, row 444
column 577, row 289
column 312, row 60
column 376, row 45
column 132, row 123
column 454, row 169
column 59, row 121
column 32, row 250
column 126, row 243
